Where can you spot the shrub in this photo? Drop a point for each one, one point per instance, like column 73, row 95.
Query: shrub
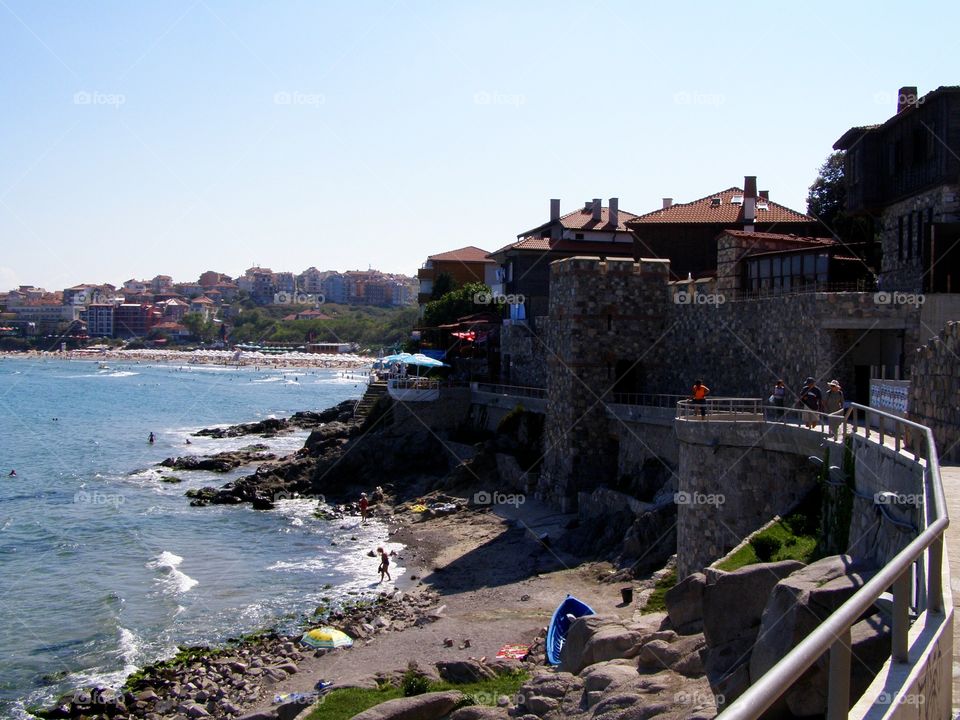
column 414, row 683
column 765, row 547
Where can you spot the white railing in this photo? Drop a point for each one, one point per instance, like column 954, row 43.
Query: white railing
column 833, row 634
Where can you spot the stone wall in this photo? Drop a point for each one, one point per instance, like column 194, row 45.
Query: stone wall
column 935, row 390
column 523, row 356
column 440, row 417
column 907, row 274
column 602, row 314
column 733, row 478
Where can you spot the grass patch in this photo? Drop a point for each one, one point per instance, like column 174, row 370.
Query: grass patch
column 657, row 600
column 344, row 704
column 787, row 539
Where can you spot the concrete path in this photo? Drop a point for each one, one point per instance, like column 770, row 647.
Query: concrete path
column 951, row 487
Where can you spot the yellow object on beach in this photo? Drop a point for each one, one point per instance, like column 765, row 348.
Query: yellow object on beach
column 327, row 637
column 418, row 508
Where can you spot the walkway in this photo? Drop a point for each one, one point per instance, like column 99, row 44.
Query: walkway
column 951, row 488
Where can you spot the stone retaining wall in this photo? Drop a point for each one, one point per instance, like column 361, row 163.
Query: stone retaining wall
column 935, row 390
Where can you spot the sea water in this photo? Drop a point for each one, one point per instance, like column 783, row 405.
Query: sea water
column 103, row 566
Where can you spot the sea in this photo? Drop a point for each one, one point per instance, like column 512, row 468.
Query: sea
column 104, row 567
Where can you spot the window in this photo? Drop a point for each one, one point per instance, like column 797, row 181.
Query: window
column 919, row 142
column 909, row 251
column 578, row 236
column 900, row 238
column 809, row 270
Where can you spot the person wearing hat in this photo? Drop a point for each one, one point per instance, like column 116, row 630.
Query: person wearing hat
column 834, row 403
column 811, row 398
column 364, row 506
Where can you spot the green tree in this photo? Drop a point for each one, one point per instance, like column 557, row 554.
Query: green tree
column 443, row 284
column 827, row 202
column 465, row 300
column 201, row 328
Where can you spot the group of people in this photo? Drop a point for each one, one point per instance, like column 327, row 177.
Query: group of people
column 811, row 399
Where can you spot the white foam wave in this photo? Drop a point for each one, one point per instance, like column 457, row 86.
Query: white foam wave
column 171, row 579
column 128, row 646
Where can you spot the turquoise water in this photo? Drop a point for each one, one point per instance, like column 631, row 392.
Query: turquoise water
column 103, row 567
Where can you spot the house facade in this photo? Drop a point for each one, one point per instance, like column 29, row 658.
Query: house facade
column 464, row 265
column 905, row 173
column 686, row 233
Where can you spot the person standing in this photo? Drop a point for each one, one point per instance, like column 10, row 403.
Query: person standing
column 384, row 564
column 811, row 398
column 364, row 507
column 151, row 439
column 834, row 404
column 699, row 396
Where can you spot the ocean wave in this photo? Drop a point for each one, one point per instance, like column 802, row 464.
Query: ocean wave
column 172, row 580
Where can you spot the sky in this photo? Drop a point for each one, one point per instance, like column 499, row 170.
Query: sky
column 178, row 136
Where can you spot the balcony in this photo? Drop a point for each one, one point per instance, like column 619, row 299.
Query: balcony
column 413, row 389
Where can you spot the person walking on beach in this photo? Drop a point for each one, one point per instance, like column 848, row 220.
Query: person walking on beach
column 834, row 404
column 699, row 396
column 364, row 506
column 811, row 398
column 384, row 564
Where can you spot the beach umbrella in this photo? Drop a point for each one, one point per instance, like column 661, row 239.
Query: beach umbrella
column 422, row 360
column 326, row 638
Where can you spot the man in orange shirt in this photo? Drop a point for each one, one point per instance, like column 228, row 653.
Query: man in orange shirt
column 699, row 396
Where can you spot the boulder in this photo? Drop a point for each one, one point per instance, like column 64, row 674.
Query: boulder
column 464, row 671
column 429, row 706
column 479, row 712
column 685, row 601
column 734, row 602
column 596, row 638
column 797, row 606
column 608, row 675
column 658, row 655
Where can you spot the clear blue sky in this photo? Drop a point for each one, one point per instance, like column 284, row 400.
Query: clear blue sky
column 173, row 137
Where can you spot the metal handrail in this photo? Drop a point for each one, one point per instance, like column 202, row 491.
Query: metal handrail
column 647, row 399
column 833, row 633
column 514, row 390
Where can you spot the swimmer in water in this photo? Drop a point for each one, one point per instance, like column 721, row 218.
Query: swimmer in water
column 13, row 473
column 151, row 439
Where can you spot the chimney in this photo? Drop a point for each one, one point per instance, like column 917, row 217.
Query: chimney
column 765, row 195
column 749, row 201
column 597, row 205
column 614, row 211
column 667, row 203
column 554, row 210
column 906, row 97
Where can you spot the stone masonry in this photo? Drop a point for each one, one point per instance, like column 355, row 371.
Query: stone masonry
column 935, row 390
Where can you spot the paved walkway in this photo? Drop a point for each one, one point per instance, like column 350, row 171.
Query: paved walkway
column 951, row 487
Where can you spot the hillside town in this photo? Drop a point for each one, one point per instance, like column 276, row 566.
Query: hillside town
column 161, row 309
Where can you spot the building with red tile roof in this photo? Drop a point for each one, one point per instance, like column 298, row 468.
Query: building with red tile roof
column 524, row 265
column 464, row 265
column 686, row 233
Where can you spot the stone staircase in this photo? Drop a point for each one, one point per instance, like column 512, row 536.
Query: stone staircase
column 375, row 391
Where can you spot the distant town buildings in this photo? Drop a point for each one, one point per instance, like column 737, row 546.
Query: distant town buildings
column 156, row 308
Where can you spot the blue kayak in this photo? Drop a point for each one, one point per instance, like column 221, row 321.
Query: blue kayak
column 568, row 611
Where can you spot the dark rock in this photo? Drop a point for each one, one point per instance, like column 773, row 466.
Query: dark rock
column 429, row 706
column 595, row 638
column 464, row 671
column 270, row 425
column 685, row 601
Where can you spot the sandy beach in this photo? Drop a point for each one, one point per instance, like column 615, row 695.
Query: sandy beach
column 233, row 358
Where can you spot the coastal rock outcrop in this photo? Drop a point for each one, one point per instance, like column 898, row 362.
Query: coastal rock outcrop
column 222, row 461
column 429, row 706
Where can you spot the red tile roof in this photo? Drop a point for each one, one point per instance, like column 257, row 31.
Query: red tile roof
column 470, row 253
column 582, row 219
column 583, row 247
column 703, row 211
column 784, row 237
